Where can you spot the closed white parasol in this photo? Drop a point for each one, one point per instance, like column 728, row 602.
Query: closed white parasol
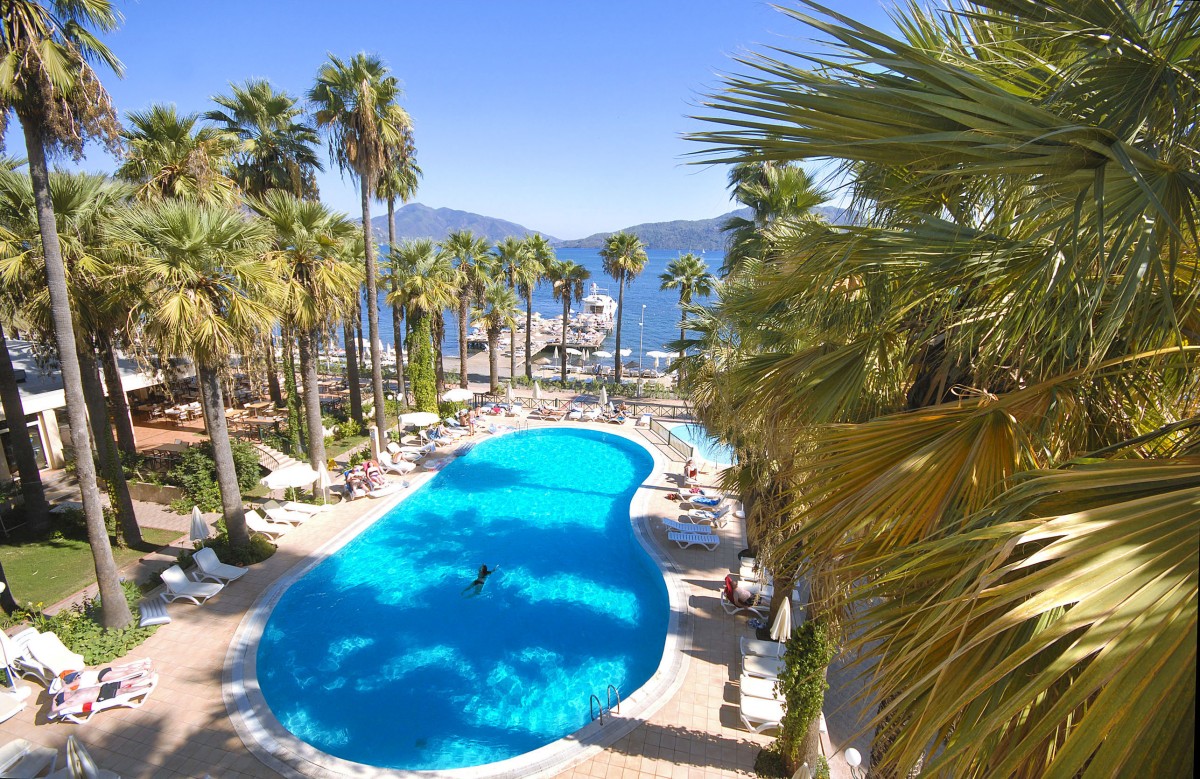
column 324, row 482
column 508, row 398
column 537, row 390
column 199, row 530
column 457, row 395
column 781, row 628
column 603, row 396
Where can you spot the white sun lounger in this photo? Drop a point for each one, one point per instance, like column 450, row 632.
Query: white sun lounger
column 752, row 646
column 759, row 714
column 78, row 705
column 758, row 606
column 271, row 530
column 41, row 656
column 12, row 702
column 22, row 759
column 179, row 586
column 402, row 468
column 209, row 568
column 297, row 507
column 686, row 527
column 80, row 763
column 709, row 541
column 757, row 687
column 717, row 518
column 762, row 667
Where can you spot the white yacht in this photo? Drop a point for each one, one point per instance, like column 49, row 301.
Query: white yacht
column 599, row 308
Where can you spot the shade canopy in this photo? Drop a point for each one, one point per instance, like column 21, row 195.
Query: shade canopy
column 419, row 418
column 602, row 354
column 199, row 530
column 297, row 475
column 457, row 395
column 781, row 628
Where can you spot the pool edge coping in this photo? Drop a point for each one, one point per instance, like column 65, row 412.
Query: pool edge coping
column 266, row 738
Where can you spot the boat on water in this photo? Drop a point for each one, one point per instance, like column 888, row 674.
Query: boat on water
column 599, row 309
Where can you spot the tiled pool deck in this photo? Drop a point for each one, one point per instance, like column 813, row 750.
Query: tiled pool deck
column 184, row 729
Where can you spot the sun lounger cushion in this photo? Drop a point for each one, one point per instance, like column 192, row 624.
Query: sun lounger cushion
column 153, row 612
column 707, row 540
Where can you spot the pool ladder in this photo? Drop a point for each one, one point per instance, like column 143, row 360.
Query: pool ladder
column 596, row 709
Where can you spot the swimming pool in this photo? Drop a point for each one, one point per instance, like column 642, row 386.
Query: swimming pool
column 706, row 446
column 378, row 656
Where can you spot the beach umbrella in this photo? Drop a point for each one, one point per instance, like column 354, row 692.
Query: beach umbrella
column 573, row 351
column 457, row 395
column 603, row 396
column 537, row 390
column 200, row 530
column 602, row 354
column 626, row 352
column 419, row 418
column 324, row 482
column 657, row 355
column 781, row 628
column 293, row 476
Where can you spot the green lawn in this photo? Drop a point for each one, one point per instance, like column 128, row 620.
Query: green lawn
column 45, row 572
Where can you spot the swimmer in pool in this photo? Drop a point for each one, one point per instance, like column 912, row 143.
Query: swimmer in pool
column 477, row 585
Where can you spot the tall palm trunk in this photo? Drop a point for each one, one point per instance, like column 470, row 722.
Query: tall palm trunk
column 268, row 347
column 529, row 337
column 566, row 314
column 296, row 434
column 213, row 402
column 437, row 325
column 118, row 403
column 7, row 601
column 512, row 338
column 114, row 611
column 620, row 317
column 312, row 399
column 397, row 311
column 373, row 322
column 106, row 447
column 464, row 311
column 493, row 334
column 352, row 372
column 37, row 509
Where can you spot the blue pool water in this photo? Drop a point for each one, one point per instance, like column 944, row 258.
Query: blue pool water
column 707, row 446
column 378, row 656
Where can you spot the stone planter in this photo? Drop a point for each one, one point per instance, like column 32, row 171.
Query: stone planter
column 155, row 493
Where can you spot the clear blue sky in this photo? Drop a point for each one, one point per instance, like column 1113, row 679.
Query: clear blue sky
column 562, row 116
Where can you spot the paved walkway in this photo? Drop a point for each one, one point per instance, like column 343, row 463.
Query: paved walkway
column 183, row 730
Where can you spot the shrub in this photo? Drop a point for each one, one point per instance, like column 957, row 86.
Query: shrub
column 258, row 550
column 80, row 632
column 348, row 429
column 808, row 654
column 196, row 473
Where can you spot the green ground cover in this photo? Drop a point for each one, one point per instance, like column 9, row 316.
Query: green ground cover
column 45, row 572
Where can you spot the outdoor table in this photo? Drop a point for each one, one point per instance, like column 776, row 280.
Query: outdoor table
column 258, row 405
column 174, row 448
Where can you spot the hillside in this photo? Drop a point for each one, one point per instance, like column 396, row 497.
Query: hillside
column 419, row 221
column 686, row 235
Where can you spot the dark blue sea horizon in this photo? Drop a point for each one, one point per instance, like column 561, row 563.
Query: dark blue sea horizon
column 662, row 313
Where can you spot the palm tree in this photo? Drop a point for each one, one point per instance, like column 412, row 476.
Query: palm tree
column 624, row 258
column 355, row 102
column 497, row 310
column 49, row 83
column 777, row 194
column 399, row 182
column 567, row 279
column 171, row 157
column 424, row 285
column 512, row 259
column 688, row 274
column 207, row 291
column 319, row 285
column 529, row 275
column 990, row 386
column 473, row 270
column 278, row 150
column 83, row 204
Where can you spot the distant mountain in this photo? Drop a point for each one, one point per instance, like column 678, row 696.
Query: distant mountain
column 419, row 221
column 689, row 235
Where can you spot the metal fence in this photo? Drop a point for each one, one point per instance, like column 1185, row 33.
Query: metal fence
column 676, row 443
